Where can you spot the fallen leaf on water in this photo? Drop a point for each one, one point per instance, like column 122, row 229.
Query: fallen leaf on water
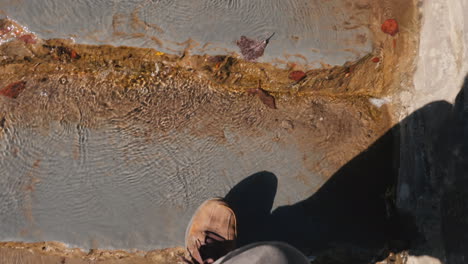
column 13, row 90
column 252, row 49
column 266, row 98
column 28, row 39
column 390, row 26
column 297, row 75
column 74, row 55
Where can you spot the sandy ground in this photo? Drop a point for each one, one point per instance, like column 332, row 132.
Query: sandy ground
column 53, row 252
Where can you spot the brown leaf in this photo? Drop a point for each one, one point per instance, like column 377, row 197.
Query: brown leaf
column 28, row 39
column 266, row 98
column 74, row 55
column 297, row 75
column 252, row 49
column 13, row 90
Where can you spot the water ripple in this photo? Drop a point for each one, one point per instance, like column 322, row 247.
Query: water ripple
column 329, row 28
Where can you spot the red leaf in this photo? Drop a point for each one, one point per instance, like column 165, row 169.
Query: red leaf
column 251, row 49
column 28, row 38
column 390, row 26
column 73, row 54
column 297, row 75
column 13, row 90
column 266, row 98
column 375, row 59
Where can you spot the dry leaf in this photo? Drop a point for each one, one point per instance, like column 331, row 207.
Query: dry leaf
column 252, row 49
column 390, row 26
column 297, row 75
column 13, row 90
column 266, row 98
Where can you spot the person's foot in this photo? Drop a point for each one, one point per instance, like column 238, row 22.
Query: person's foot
column 211, row 233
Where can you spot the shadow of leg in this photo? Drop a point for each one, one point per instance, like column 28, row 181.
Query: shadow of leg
column 252, row 200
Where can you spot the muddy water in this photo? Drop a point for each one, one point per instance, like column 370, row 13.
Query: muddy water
column 106, row 188
column 121, row 158
column 307, row 32
column 116, row 148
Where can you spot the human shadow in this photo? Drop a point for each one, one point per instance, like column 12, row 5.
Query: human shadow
column 451, row 180
column 252, row 200
column 407, row 188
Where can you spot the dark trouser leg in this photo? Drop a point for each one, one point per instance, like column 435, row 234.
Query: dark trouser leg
column 264, row 253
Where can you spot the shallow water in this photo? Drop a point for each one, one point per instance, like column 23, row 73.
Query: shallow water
column 104, row 188
column 307, row 32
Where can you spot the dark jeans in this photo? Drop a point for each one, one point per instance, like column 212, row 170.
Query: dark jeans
column 264, row 253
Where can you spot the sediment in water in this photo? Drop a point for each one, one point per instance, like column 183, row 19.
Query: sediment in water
column 97, row 86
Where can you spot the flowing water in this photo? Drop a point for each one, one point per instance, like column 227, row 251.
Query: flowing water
column 307, row 32
column 106, row 187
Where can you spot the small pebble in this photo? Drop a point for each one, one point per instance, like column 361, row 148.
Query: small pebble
column 287, row 124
